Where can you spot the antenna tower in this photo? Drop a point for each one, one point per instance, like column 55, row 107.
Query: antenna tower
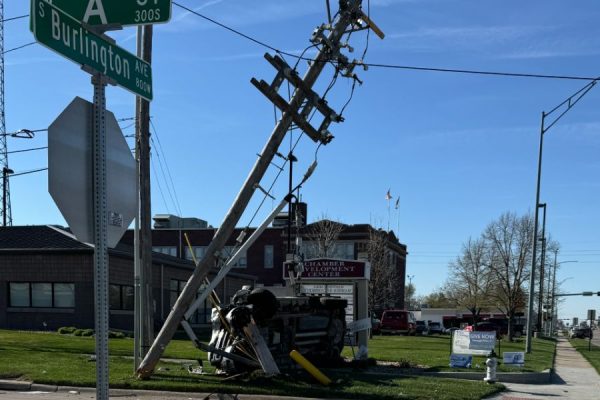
column 4, row 186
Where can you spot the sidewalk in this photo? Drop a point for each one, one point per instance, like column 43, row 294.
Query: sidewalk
column 573, row 378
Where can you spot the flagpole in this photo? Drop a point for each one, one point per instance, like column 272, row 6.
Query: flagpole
column 398, row 216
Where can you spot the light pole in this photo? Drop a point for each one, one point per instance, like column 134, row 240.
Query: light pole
column 562, row 109
column 542, row 269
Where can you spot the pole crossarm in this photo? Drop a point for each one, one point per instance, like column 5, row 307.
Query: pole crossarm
column 347, row 16
column 313, row 100
column 569, row 102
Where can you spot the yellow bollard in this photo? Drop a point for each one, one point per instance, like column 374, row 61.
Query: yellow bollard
column 311, row 369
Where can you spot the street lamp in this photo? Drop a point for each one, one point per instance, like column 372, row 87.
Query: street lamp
column 562, row 109
column 22, row 134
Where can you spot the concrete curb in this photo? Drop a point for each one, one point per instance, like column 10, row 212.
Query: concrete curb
column 6, row 384
column 536, row 378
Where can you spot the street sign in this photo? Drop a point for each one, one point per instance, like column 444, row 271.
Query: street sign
column 116, row 12
column 70, row 172
column 65, row 35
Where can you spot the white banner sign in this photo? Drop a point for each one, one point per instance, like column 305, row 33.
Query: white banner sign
column 475, row 343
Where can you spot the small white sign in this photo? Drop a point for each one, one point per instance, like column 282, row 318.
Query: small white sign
column 515, row 358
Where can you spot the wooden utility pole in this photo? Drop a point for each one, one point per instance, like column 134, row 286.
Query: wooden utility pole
column 143, row 250
column 348, row 16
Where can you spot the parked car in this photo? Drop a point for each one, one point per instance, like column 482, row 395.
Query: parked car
column 398, row 321
column 421, row 328
column 581, row 333
column 435, row 327
column 450, row 331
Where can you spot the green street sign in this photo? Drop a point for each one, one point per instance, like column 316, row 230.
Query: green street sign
column 65, row 35
column 118, row 12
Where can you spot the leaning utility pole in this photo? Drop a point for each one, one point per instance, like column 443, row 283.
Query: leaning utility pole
column 294, row 112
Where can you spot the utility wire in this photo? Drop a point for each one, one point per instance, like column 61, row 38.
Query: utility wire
column 28, row 172
column 160, row 189
column 392, row 66
column 373, row 65
column 14, row 18
column 26, row 150
column 19, row 47
column 162, row 170
column 177, row 204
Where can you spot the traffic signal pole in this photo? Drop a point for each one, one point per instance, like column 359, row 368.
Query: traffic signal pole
column 349, row 14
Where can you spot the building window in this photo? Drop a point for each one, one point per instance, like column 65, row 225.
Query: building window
column 121, row 297
column 199, row 252
column 202, row 314
column 229, row 251
column 19, row 295
column 169, row 250
column 344, row 251
column 268, row 256
column 339, row 250
column 42, row 295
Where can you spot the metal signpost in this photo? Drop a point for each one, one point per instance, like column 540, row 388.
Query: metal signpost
column 65, row 35
column 117, row 12
column 591, row 315
column 108, row 63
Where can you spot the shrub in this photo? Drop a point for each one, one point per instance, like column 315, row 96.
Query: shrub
column 87, row 332
column 116, row 335
column 78, row 332
column 66, row 330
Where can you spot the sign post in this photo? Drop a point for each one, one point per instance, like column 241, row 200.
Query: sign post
column 591, row 314
column 97, row 54
column 100, row 237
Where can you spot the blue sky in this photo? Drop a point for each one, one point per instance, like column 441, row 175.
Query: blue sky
column 458, row 149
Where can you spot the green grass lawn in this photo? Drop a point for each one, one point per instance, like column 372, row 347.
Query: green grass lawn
column 434, row 352
column 593, row 356
column 65, row 360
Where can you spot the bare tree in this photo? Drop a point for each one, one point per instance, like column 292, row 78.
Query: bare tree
column 382, row 286
column 323, row 236
column 509, row 241
column 469, row 284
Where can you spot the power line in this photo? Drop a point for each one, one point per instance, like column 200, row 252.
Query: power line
column 160, row 148
column 26, row 150
column 19, row 47
column 393, row 66
column 15, row 18
column 160, row 189
column 28, row 172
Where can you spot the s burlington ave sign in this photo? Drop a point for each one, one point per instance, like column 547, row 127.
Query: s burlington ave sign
column 65, row 35
column 116, row 12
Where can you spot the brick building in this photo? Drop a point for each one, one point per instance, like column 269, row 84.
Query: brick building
column 46, row 281
column 265, row 258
